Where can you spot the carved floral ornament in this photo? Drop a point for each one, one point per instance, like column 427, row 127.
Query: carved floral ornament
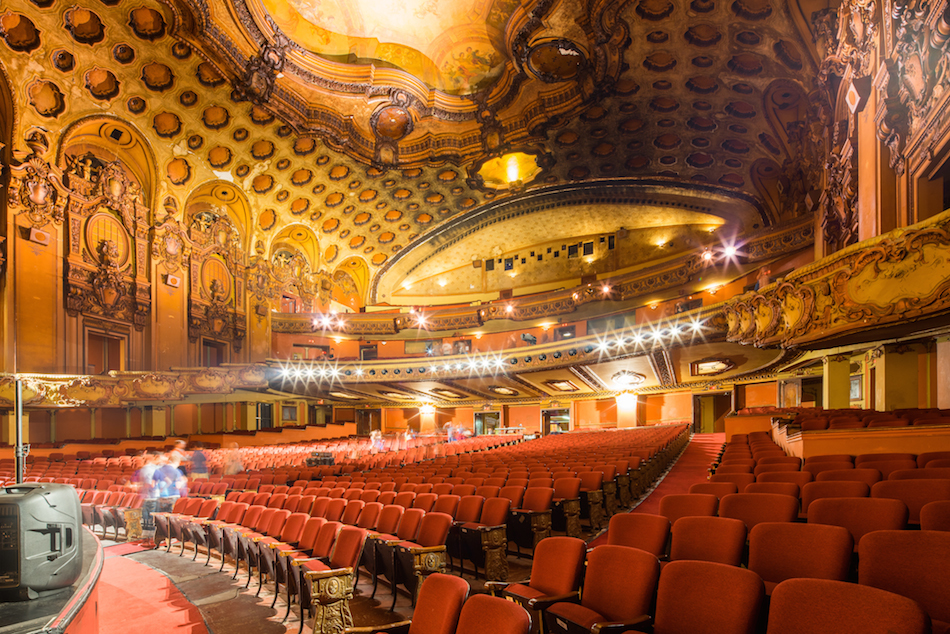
column 901, row 276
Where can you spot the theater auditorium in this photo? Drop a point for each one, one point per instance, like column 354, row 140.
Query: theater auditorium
column 475, row 316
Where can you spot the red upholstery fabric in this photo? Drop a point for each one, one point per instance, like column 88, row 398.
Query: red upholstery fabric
column 915, row 564
column 439, row 604
column 833, row 489
column 914, row 493
column 688, row 504
column 868, row 476
column 558, row 565
column 639, row 530
column 701, row 597
column 935, row 516
column 783, row 550
column 719, row 489
column 753, row 508
column 820, row 606
column 859, row 515
column 483, row 614
column 716, row 539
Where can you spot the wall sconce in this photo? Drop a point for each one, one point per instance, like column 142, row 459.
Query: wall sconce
column 427, row 408
column 626, row 399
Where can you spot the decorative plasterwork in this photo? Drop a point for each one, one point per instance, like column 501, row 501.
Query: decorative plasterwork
column 119, row 388
column 901, row 276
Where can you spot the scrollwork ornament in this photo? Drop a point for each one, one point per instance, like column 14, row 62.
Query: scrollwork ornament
column 36, row 192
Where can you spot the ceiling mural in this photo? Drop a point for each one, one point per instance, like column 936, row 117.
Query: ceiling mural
column 453, row 46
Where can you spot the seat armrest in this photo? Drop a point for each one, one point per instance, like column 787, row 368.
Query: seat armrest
column 616, row 627
column 423, row 549
column 402, row 627
column 496, row 587
column 543, row 603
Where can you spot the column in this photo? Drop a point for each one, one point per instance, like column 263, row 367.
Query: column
column 836, row 382
column 128, row 423
column 52, row 425
column 245, row 416
column 171, row 419
column 627, row 409
column 8, row 427
column 92, row 422
column 153, row 420
column 199, row 407
column 427, row 419
column 943, row 370
column 897, row 377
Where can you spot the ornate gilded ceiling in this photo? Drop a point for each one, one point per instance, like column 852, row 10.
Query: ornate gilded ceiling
column 353, row 132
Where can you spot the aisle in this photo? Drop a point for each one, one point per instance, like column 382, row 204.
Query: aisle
column 691, row 467
column 134, row 597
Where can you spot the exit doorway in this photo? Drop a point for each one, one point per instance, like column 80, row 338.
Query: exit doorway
column 487, row 422
column 709, row 410
column 555, row 421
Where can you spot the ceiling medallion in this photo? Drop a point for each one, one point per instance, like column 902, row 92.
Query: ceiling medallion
column 711, row 366
column 504, row 391
column 555, row 61
column 626, row 378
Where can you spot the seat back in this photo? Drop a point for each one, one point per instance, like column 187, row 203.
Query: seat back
column 513, row 493
column 348, row 547
column 409, row 524
column 787, row 550
column 425, row 501
column 293, row 528
column 739, row 479
column 558, row 565
column 440, row 601
column 369, row 516
column 389, row 518
column 323, row 544
column 868, row 476
column 716, row 539
column 753, row 508
column 820, row 606
column 252, row 516
column 859, row 515
column 433, row 529
column 640, row 530
column 483, row 614
column 702, row 597
column 935, row 516
column 351, row 513
column 446, row 504
column 207, row 509
column 495, row 511
column 913, row 493
column 619, row 582
column 679, row 505
column 470, row 508
column 833, row 489
column 913, row 564
column 310, row 532
column 567, row 488
column 781, row 488
column 719, row 489
column 335, row 508
column 536, row 499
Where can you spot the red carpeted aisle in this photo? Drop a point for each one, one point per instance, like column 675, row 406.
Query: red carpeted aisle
column 692, row 467
column 136, row 598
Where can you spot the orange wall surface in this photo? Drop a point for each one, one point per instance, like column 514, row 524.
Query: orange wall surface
column 664, row 409
column 595, row 414
column 527, row 416
column 760, row 394
column 746, row 423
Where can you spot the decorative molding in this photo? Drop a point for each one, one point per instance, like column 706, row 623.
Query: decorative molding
column 899, row 277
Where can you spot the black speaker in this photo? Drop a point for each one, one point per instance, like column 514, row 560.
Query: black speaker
column 40, row 540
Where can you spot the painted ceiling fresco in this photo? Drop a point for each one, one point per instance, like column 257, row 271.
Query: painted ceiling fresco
column 455, row 46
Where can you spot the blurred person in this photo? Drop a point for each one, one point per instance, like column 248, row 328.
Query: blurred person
column 199, row 463
column 232, row 463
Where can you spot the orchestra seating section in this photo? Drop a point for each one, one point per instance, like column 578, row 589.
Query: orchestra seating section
column 770, row 543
